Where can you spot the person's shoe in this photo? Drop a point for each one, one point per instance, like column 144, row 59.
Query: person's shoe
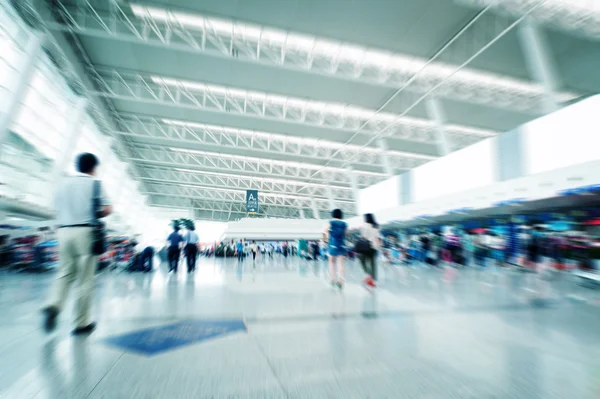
column 340, row 285
column 371, row 282
column 50, row 316
column 85, row 329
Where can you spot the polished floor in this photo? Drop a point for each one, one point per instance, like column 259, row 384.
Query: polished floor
column 422, row 334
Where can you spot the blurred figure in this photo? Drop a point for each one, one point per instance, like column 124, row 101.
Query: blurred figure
column 79, row 202
column 368, row 260
column 469, row 248
column 254, row 250
column 240, row 251
column 174, row 244
column 335, row 236
column 144, row 259
column 496, row 244
column 315, row 250
column 191, row 248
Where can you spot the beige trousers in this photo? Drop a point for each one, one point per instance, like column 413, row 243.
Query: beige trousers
column 77, row 263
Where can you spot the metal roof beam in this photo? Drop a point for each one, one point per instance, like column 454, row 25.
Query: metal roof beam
column 224, row 206
column 165, row 91
column 182, row 158
column 287, row 187
column 581, row 18
column 240, row 197
column 183, row 132
column 245, row 42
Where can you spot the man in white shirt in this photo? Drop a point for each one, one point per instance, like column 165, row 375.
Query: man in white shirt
column 191, row 240
column 76, row 214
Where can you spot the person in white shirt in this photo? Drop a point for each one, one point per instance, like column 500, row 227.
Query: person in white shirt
column 368, row 261
column 191, row 240
column 79, row 203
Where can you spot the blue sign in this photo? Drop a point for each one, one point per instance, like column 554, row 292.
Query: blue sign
column 155, row 340
column 252, row 201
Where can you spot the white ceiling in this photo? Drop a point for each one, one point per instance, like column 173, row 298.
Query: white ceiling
column 292, row 105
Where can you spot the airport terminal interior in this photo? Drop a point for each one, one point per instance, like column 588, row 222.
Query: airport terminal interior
column 299, row 199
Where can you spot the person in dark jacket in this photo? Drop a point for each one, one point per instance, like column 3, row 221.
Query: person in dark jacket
column 174, row 244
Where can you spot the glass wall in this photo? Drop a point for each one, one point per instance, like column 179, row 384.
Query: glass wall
column 39, row 133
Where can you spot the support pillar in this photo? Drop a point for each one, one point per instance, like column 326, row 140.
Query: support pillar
column 332, row 204
column 72, row 136
column 540, row 63
column 19, row 90
column 191, row 215
column 435, row 110
column 315, row 209
column 302, row 215
column 387, row 166
column 355, row 190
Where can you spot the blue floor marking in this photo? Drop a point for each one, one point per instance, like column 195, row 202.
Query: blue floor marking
column 156, row 340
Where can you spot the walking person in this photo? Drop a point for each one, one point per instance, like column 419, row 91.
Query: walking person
column 254, row 250
column 240, row 251
column 335, row 236
column 368, row 258
column 191, row 248
column 79, row 203
column 174, row 244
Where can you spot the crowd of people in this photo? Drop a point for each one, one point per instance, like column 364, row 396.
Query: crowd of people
column 80, row 205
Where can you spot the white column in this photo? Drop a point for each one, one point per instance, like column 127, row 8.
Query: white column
column 332, row 204
column 540, row 63
column 302, row 215
column 435, row 110
column 72, row 136
column 18, row 91
column 387, row 166
column 355, row 190
column 315, row 209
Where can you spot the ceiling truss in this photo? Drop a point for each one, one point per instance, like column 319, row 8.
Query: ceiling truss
column 226, row 211
column 186, row 133
column 579, row 17
column 252, row 43
column 239, row 196
column 157, row 155
column 227, row 181
column 133, row 86
column 214, row 183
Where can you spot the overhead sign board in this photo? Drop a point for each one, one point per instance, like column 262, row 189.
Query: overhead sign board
column 252, row 201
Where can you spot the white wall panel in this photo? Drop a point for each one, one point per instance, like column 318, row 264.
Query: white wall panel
column 566, row 137
column 384, row 195
column 462, row 170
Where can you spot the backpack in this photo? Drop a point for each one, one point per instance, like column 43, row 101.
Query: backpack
column 363, row 247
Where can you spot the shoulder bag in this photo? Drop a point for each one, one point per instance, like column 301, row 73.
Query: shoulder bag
column 98, row 230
